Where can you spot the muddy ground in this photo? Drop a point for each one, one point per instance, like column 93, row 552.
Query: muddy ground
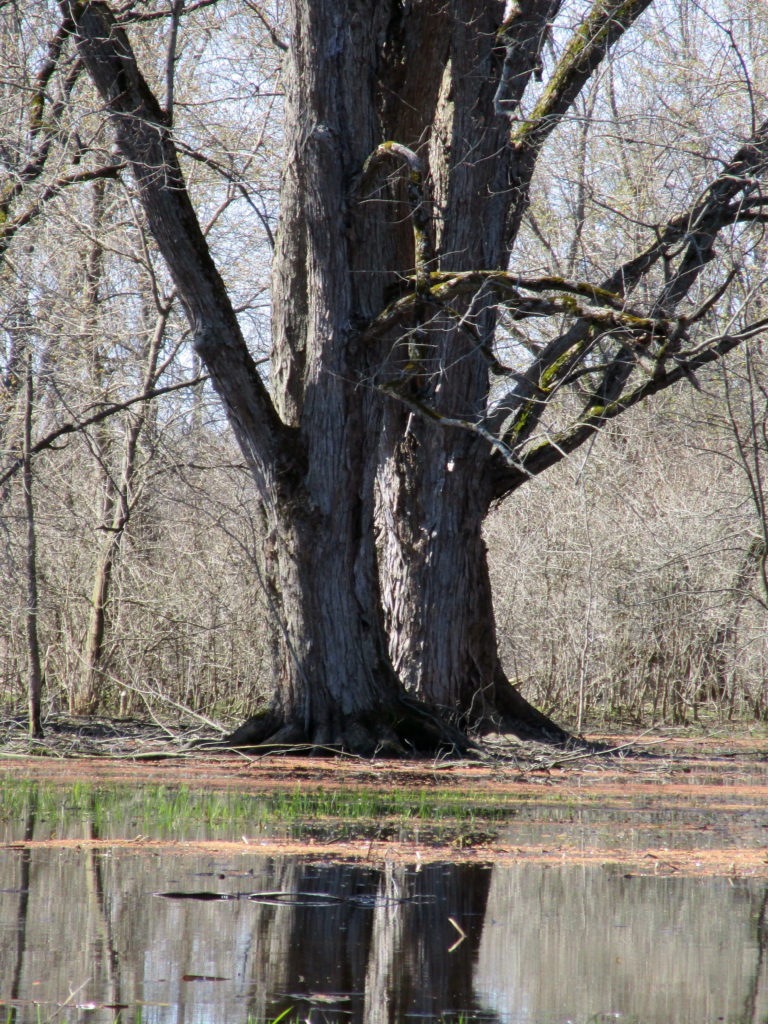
column 725, row 774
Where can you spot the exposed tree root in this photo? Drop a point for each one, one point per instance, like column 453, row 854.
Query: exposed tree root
column 406, row 728
column 516, row 716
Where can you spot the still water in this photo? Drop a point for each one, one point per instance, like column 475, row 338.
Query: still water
column 88, row 934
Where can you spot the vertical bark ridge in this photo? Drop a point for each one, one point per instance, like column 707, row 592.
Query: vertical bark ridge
column 317, row 450
column 432, row 492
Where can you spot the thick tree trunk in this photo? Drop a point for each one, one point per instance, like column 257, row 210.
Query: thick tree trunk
column 330, row 440
column 433, row 487
column 438, row 600
column 335, row 683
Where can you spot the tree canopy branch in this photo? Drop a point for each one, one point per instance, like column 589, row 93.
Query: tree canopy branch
column 11, row 226
column 607, row 21
column 144, row 137
column 595, row 416
column 723, row 203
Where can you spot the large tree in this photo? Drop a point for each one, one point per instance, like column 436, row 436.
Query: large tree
column 404, row 398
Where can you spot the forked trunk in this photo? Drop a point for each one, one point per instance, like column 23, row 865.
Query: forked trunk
column 334, row 684
column 405, row 155
column 331, row 438
column 335, row 257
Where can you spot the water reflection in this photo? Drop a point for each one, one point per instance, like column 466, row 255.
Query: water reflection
column 647, row 948
column 91, row 927
column 541, row 945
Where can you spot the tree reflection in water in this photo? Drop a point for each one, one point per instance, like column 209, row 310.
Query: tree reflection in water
column 362, row 944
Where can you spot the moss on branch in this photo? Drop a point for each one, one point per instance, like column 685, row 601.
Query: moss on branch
column 419, row 208
column 585, row 50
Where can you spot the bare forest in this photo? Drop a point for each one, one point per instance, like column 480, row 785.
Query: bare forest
column 573, row 380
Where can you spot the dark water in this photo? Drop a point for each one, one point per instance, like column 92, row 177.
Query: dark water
column 335, row 942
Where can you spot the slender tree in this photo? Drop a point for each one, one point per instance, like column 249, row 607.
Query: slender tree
column 34, row 664
column 393, row 419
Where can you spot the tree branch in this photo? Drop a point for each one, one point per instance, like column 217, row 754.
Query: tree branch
column 276, row 39
column 230, row 175
column 604, row 25
column 519, row 412
column 144, row 138
column 554, row 450
column 10, row 227
column 422, row 246
column 128, row 16
column 111, row 410
column 522, row 37
column 606, row 22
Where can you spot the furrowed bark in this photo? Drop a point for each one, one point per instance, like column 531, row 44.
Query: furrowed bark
column 432, row 483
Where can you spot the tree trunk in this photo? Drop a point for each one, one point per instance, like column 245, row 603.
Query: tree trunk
column 370, row 452
column 335, row 684
column 333, row 264
column 34, row 667
column 317, row 452
column 118, row 503
column 438, row 600
column 433, row 485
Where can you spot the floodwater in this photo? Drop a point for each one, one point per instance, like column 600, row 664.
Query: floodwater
column 95, row 932
column 336, row 942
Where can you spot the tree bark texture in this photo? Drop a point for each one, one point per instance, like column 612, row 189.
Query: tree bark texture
column 343, row 241
column 433, row 486
column 34, row 665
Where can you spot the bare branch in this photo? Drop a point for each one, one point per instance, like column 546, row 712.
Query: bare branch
column 12, row 226
column 554, row 450
column 607, row 21
column 127, row 15
column 273, row 35
column 604, row 25
column 234, row 179
column 432, row 414
column 144, row 138
column 64, row 429
column 522, row 37
column 723, row 203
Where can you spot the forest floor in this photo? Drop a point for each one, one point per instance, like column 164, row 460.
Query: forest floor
column 655, row 803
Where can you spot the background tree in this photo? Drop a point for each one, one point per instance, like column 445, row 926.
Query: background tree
column 106, row 332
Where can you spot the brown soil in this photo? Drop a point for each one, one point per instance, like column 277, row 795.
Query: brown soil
column 726, row 776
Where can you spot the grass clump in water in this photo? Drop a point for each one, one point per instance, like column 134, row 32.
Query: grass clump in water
column 180, row 812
